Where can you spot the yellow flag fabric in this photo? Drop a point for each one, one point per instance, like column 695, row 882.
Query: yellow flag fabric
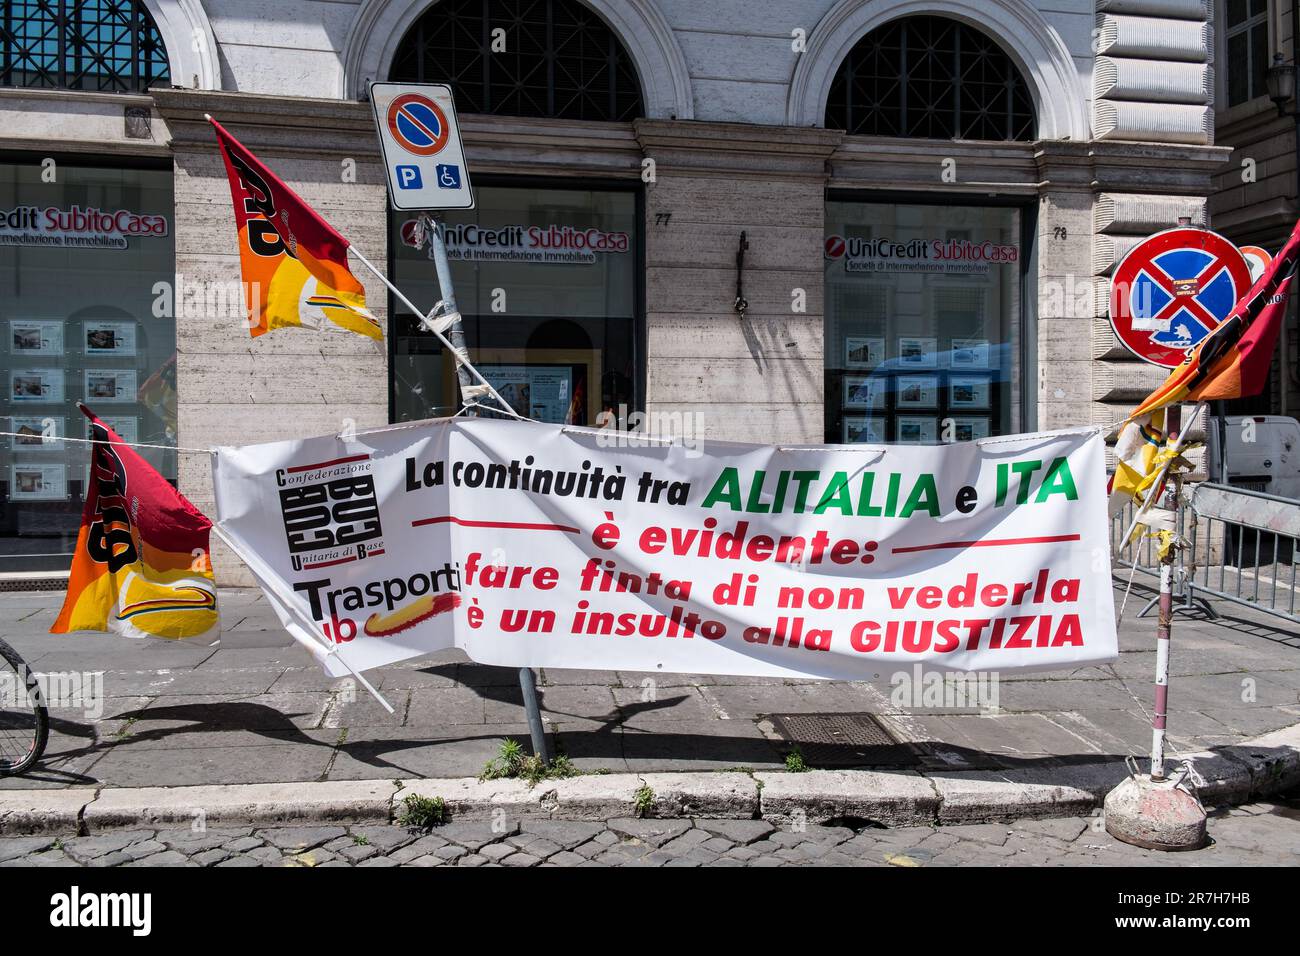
column 294, row 264
column 142, row 566
column 1140, row 452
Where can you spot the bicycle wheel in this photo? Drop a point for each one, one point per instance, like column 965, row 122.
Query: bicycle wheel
column 24, row 722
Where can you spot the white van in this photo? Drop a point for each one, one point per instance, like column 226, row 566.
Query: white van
column 1263, row 453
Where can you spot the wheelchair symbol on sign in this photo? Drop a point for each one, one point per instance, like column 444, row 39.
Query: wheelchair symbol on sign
column 449, row 176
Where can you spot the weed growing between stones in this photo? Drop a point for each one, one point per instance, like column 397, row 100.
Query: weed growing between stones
column 511, row 762
column 644, row 800
column 423, row 813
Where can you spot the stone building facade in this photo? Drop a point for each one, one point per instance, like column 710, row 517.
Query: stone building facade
column 1256, row 196
column 1114, row 101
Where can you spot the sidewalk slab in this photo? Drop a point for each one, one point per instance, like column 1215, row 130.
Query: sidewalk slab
column 596, row 796
column 1272, row 759
column 468, row 798
column 724, row 795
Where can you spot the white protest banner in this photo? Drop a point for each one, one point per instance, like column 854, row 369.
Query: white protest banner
column 544, row 546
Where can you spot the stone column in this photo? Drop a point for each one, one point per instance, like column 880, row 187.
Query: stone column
column 759, row 378
column 232, row 388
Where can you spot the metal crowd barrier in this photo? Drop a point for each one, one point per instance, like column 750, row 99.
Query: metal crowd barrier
column 1243, row 548
column 1244, row 544
column 1147, row 563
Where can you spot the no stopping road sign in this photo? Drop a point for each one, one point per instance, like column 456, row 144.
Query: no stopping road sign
column 1172, row 289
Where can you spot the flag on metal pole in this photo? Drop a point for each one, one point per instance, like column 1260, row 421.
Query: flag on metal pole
column 294, row 263
column 142, row 566
column 1139, row 453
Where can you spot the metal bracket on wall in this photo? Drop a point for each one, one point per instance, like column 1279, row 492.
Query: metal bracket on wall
column 136, row 123
column 741, row 305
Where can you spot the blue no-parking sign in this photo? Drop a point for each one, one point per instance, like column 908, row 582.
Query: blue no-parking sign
column 1172, row 290
column 421, row 145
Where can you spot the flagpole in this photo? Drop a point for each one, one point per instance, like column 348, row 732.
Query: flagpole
column 456, row 344
column 1152, row 810
column 267, row 580
column 1164, row 627
column 455, row 341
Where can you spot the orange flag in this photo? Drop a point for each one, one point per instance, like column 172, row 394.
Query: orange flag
column 1234, row 359
column 142, row 566
column 295, row 266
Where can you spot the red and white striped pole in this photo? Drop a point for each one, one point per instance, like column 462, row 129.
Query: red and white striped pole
column 1173, row 426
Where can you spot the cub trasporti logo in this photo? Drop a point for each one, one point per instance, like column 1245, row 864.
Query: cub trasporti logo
column 330, row 512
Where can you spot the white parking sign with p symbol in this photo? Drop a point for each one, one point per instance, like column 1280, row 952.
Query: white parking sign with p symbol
column 408, row 177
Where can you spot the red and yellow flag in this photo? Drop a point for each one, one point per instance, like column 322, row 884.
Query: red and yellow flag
column 142, row 566
column 1234, row 359
column 294, row 265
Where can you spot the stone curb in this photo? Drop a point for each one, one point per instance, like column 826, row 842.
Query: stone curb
column 267, row 804
column 1243, row 772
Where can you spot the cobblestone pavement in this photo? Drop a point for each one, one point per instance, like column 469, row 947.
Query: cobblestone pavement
column 1261, row 834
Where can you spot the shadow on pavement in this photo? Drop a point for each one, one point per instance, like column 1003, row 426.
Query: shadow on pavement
column 632, row 735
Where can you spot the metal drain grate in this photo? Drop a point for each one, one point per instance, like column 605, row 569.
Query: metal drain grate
column 843, row 740
column 33, row 584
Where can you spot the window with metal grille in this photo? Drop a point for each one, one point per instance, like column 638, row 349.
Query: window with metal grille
column 553, row 58
column 98, row 45
column 933, row 78
column 1247, row 50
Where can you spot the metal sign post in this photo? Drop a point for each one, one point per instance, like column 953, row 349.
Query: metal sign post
column 1168, row 294
column 456, row 335
column 1164, row 626
column 424, row 159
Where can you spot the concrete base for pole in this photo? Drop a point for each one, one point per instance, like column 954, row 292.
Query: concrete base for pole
column 1155, row 814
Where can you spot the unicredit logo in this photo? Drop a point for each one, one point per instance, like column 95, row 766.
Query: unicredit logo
column 412, row 233
column 951, row 250
column 550, row 238
column 85, row 221
column 566, row 237
column 474, row 236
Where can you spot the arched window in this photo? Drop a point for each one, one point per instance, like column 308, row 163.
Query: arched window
column 99, row 45
column 522, row 58
column 933, row 78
